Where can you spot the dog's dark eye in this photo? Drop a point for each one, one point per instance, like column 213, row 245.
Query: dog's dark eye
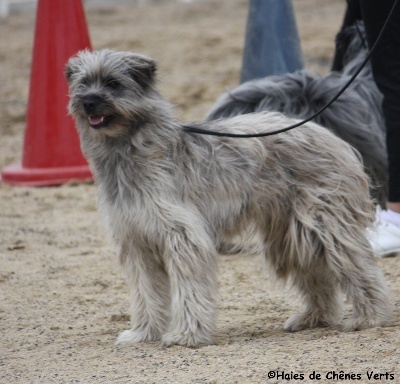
column 112, row 83
column 85, row 81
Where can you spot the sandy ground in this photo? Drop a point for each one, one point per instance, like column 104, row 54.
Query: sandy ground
column 63, row 298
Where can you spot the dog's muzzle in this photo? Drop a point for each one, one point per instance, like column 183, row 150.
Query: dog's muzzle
column 92, row 106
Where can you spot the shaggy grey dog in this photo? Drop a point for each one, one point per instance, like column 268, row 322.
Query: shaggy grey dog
column 169, row 196
column 356, row 116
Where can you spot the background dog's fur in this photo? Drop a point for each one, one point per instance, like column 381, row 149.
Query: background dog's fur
column 170, row 196
column 356, row 116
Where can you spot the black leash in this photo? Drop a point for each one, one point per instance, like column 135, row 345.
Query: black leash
column 201, row 131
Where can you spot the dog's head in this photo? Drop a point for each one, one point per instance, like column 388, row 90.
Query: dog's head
column 108, row 89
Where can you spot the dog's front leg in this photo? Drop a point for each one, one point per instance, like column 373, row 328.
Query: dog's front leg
column 149, row 290
column 192, row 270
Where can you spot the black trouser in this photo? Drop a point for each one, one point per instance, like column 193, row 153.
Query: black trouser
column 385, row 63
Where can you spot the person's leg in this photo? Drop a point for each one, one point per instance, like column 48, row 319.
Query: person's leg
column 385, row 63
column 386, row 71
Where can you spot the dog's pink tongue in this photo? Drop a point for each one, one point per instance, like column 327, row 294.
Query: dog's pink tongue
column 93, row 120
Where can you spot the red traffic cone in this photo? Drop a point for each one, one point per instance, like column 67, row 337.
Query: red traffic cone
column 52, row 153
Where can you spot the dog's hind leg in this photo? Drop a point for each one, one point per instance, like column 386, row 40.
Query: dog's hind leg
column 341, row 259
column 364, row 284
column 295, row 254
column 349, row 257
column 347, row 265
column 149, row 290
column 320, row 293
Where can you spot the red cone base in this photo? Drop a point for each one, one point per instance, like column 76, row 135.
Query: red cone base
column 42, row 177
column 52, row 153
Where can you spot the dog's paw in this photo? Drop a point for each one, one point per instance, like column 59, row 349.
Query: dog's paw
column 296, row 323
column 360, row 323
column 305, row 320
column 186, row 339
column 129, row 337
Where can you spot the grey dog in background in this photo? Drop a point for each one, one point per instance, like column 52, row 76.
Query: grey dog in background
column 356, row 116
column 169, row 196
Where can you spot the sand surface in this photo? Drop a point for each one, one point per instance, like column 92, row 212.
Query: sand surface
column 63, row 298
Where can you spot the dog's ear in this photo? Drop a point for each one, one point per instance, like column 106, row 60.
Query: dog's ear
column 73, row 64
column 69, row 69
column 68, row 72
column 143, row 70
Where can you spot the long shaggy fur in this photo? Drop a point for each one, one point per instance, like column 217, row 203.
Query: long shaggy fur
column 170, row 196
column 356, row 116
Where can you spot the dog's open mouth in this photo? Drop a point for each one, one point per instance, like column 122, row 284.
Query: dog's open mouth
column 99, row 121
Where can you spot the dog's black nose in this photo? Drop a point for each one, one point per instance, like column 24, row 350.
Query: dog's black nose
column 90, row 102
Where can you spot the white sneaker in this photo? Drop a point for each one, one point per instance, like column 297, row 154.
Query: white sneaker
column 385, row 239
